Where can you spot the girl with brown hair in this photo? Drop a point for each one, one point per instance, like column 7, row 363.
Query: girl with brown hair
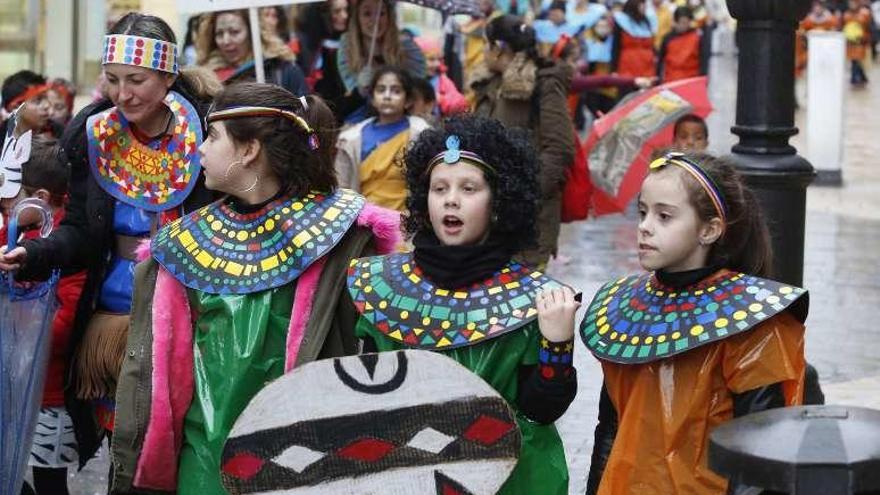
column 701, row 338
column 241, row 291
column 224, row 45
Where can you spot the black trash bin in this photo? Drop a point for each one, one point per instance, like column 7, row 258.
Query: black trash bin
column 808, row 450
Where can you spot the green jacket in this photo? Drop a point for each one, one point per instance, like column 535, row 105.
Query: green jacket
column 328, row 334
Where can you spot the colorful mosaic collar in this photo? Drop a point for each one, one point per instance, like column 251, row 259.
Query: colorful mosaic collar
column 635, row 320
column 139, row 51
column 219, row 251
column 391, row 293
column 137, row 174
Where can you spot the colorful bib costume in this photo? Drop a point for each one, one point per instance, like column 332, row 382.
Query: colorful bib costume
column 673, row 359
column 244, row 271
column 489, row 327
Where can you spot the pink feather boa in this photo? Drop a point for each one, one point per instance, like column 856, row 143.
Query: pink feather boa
column 172, row 352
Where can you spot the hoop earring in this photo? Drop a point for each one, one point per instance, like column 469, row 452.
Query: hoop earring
column 228, row 168
column 252, row 187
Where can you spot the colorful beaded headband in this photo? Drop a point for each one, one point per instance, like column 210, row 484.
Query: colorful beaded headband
column 706, row 182
column 141, row 52
column 454, row 154
column 243, row 112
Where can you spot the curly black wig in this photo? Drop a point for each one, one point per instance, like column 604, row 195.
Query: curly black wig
column 515, row 190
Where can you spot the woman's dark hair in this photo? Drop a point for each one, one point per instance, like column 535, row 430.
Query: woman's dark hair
column 192, row 28
column 406, row 81
column 18, row 83
column 284, row 142
column 514, row 33
column 515, row 191
column 45, row 170
column 745, row 244
column 631, row 8
column 192, row 82
column 425, row 89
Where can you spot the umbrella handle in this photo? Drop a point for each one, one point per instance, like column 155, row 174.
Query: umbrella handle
column 29, row 203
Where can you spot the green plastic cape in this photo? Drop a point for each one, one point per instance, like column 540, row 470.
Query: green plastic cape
column 233, row 362
column 541, row 468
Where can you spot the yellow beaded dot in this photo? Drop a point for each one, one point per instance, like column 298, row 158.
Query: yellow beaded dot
column 241, row 235
column 368, row 289
column 297, row 206
column 772, row 299
column 404, row 315
column 216, row 225
column 493, row 320
column 270, row 224
column 604, row 329
column 231, row 234
column 785, row 290
column 285, row 210
column 634, row 340
column 471, row 325
column 383, row 304
column 661, row 339
column 697, row 330
column 426, row 321
column 260, row 229
column 623, row 337
column 648, row 340
column 676, row 335
column 740, row 315
column 721, row 323
column 755, row 307
column 445, row 325
column 603, row 310
column 601, row 321
column 613, row 335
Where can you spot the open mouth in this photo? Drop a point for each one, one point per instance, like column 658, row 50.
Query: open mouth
column 452, row 224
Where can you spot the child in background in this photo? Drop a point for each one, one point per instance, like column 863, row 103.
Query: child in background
column 682, row 54
column 369, row 156
column 857, row 30
column 61, row 94
column 449, row 98
column 690, row 134
column 25, row 91
column 425, row 101
column 699, row 339
column 45, row 177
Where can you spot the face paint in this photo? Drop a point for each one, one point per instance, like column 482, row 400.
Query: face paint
column 393, row 422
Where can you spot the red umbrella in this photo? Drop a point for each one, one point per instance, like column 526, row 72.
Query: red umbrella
column 620, row 144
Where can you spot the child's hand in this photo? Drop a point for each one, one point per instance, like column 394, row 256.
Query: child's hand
column 556, row 309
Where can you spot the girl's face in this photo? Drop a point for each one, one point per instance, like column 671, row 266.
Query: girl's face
column 233, row 38
column 669, row 229
column 34, row 114
column 58, row 107
column 389, row 98
column 602, row 28
column 459, row 204
column 220, row 159
column 433, row 60
column 269, row 18
column 136, row 91
column 366, row 13
column 339, row 15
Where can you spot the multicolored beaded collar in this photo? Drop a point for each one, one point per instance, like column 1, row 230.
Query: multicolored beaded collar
column 139, row 51
column 636, row 320
column 220, row 251
column 155, row 179
column 391, row 293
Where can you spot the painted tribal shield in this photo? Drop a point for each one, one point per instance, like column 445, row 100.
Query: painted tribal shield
column 395, row 422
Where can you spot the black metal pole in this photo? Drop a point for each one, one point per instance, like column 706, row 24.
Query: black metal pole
column 765, row 122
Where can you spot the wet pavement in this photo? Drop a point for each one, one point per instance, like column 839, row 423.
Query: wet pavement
column 842, row 272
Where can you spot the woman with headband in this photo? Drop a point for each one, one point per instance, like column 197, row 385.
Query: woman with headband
column 241, row 291
column 134, row 167
column 698, row 340
column 472, row 205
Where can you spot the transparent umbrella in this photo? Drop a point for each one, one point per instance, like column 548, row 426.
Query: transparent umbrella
column 26, row 311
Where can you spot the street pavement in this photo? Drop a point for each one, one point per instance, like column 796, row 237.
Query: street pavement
column 842, row 271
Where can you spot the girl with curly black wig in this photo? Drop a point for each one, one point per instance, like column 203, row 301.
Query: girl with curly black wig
column 472, row 204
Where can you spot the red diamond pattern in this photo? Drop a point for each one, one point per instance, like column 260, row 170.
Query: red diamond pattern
column 366, row 449
column 243, row 466
column 487, row 430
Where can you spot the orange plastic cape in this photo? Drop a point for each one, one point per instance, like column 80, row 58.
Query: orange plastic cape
column 666, row 409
